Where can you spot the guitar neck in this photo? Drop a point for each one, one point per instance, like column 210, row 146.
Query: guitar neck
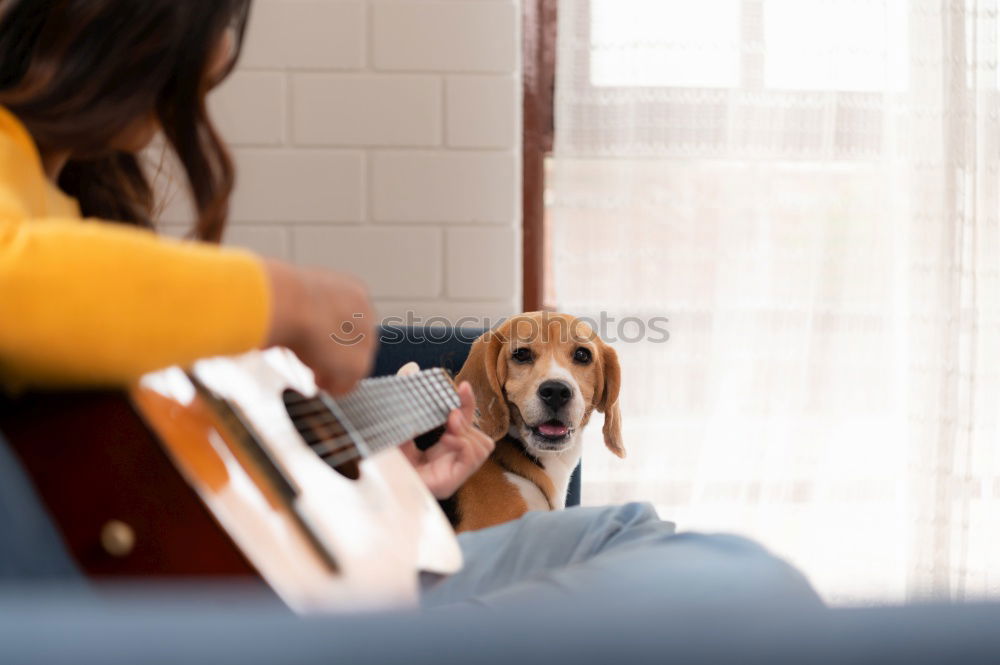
column 380, row 413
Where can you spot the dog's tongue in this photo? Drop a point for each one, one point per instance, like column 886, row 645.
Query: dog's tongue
column 553, row 429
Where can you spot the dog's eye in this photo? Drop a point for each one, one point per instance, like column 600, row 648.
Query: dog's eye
column 522, row 355
column 582, row 355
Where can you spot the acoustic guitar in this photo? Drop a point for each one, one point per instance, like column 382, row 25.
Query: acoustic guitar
column 239, row 467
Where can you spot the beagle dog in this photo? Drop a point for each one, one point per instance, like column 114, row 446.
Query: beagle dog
column 537, row 378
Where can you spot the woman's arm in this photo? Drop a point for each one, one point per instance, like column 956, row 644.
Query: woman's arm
column 96, row 303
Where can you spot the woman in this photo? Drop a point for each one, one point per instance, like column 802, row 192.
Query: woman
column 84, row 86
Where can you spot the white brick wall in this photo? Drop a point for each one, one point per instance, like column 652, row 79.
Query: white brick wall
column 382, row 137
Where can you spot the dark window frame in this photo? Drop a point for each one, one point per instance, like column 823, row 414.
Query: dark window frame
column 539, row 45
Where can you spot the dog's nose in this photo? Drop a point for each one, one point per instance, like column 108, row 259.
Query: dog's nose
column 554, row 394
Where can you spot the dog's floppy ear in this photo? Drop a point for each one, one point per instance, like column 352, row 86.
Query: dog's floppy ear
column 608, row 400
column 486, row 370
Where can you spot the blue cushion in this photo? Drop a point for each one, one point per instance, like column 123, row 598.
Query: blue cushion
column 427, row 346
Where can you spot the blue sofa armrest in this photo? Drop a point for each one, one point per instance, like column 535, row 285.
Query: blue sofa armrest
column 437, row 346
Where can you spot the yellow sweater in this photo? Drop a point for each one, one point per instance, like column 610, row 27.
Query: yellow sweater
column 98, row 303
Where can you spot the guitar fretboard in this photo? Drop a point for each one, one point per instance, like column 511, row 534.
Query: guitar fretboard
column 380, row 413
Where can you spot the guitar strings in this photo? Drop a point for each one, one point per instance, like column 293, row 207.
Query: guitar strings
column 435, row 398
column 426, row 394
column 321, row 415
column 434, row 374
column 305, row 406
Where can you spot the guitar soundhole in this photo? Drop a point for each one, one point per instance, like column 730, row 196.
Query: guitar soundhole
column 323, row 433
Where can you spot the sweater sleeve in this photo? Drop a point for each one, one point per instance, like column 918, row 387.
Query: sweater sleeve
column 97, row 303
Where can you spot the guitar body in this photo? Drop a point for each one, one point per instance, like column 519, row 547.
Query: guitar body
column 212, row 478
column 93, row 460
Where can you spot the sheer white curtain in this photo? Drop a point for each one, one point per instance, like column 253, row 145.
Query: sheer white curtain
column 808, row 190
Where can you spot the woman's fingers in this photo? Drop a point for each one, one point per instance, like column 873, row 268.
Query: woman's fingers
column 326, row 318
column 468, row 401
column 460, row 420
column 408, row 369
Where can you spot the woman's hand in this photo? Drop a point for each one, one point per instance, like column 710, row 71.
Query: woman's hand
column 326, row 318
column 458, row 453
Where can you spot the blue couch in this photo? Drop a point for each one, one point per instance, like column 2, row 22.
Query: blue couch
column 48, row 614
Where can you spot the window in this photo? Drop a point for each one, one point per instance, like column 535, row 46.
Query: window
column 790, row 183
column 702, row 74
column 650, row 43
column 840, row 45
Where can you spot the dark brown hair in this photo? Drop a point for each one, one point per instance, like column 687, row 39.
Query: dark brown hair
column 78, row 73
